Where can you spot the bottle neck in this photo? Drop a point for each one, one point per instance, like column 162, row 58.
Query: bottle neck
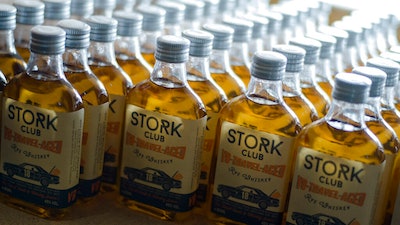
column 102, row 53
column 148, row 41
column 307, row 76
column 387, row 100
column 323, row 70
column 127, row 46
column 197, row 69
column 350, row 57
column 22, row 35
column 346, row 116
column 266, row 92
column 291, row 84
column 255, row 45
column 373, row 109
column 169, row 75
column 239, row 54
column 45, row 67
column 7, row 42
column 219, row 61
column 75, row 60
column 172, row 29
column 270, row 41
column 337, row 63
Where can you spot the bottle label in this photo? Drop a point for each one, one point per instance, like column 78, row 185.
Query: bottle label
column 332, row 189
column 93, row 139
column 115, row 124
column 161, row 159
column 207, row 155
column 252, row 175
column 41, row 152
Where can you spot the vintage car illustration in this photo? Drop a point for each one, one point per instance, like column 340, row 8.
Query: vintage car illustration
column 316, row 219
column 153, row 176
column 32, row 172
column 249, row 194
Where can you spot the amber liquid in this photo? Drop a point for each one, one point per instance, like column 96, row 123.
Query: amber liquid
column 229, row 84
column 326, row 87
column 301, row 107
column 275, row 119
column 117, row 83
column 52, row 94
column 24, row 52
column 92, row 92
column 317, row 98
column 391, row 146
column 136, row 70
column 180, row 102
column 11, row 65
column 213, row 101
column 243, row 73
column 149, row 57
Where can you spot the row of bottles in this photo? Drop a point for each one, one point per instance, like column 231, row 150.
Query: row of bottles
column 211, row 124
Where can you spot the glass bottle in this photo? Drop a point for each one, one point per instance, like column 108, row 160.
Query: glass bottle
column 152, row 27
column 127, row 47
column 351, row 57
column 175, row 14
column 45, row 119
column 274, row 26
column 341, row 36
column 288, row 25
column 339, row 161
column 212, row 96
column 226, row 8
column 386, row 136
column 29, row 14
column 56, row 10
column 164, row 127
column 104, row 7
column 291, row 90
column 11, row 63
column 323, row 65
column 388, row 110
column 80, row 10
column 256, row 42
column 102, row 61
column 256, row 134
column 396, row 58
column 239, row 52
column 193, row 13
column 95, row 102
column 210, row 12
column 308, row 82
column 220, row 67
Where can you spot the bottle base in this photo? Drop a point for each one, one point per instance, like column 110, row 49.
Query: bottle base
column 155, row 212
column 36, row 210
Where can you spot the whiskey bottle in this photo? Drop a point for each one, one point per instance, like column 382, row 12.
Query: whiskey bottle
column 212, row 96
column 95, row 102
column 152, row 27
column 42, row 132
column 239, row 52
column 29, row 14
column 164, row 128
column 274, row 25
column 291, row 90
column 220, row 67
column 11, row 63
column 80, row 10
column 56, row 10
column 258, row 32
column 386, row 136
column 256, row 134
column 308, row 82
column 175, row 14
column 193, row 13
column 102, row 61
column 210, row 12
column 323, row 73
column 127, row 46
column 341, row 37
column 339, row 161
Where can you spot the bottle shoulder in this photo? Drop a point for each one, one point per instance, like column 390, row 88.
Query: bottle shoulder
column 181, row 101
column 272, row 118
column 342, row 140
